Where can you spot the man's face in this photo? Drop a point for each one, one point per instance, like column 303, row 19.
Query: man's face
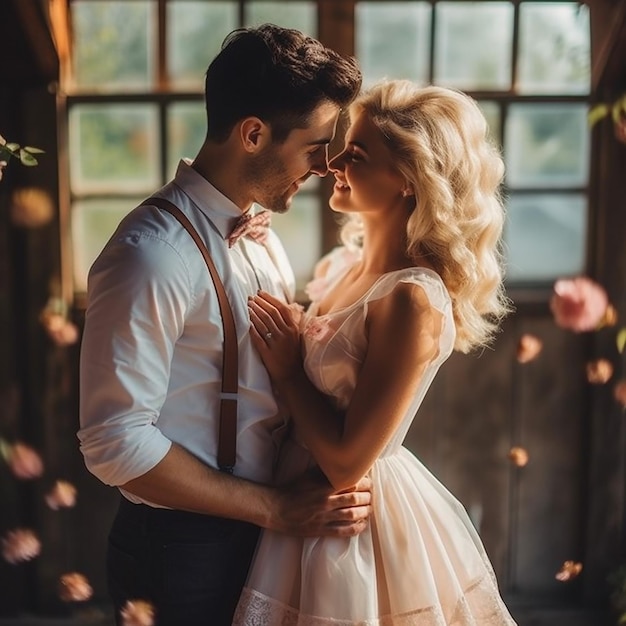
column 278, row 172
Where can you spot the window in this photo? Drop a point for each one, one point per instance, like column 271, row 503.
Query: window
column 135, row 107
column 130, row 120
column 528, row 65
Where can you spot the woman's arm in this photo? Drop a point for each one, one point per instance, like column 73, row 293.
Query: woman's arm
column 403, row 338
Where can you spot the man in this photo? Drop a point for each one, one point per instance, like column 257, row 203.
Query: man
column 152, row 348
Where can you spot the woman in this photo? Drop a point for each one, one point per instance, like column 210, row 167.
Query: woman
column 418, row 277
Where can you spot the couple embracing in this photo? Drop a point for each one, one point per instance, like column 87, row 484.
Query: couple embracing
column 321, row 516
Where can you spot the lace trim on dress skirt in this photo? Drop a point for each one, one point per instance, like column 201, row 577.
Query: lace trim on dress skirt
column 481, row 605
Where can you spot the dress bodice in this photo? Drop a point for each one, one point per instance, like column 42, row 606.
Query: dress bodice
column 335, row 344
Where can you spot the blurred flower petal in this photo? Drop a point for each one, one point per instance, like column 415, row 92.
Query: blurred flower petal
column 137, row 613
column 609, row 318
column 518, row 456
column 24, row 461
column 31, row 207
column 59, row 329
column 599, row 371
column 62, row 495
column 579, row 304
column 528, row 348
column 20, row 545
column 569, row 570
column 74, row 587
column 619, row 392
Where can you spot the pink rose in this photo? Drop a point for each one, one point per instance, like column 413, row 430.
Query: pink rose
column 579, row 304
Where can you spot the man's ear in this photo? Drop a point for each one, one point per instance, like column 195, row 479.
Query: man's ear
column 254, row 134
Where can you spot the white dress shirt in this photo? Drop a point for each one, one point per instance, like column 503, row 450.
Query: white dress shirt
column 151, row 352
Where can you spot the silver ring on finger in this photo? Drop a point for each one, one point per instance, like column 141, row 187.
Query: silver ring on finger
column 268, row 336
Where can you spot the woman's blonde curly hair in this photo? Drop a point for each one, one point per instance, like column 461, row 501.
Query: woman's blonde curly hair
column 440, row 142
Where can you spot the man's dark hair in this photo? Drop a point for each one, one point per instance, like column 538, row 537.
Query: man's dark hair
column 277, row 74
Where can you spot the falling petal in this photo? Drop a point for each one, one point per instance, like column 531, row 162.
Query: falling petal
column 62, row 495
column 74, row 587
column 619, row 392
column 518, row 456
column 20, row 545
column 24, row 461
column 569, row 570
column 599, row 371
column 137, row 613
column 609, row 318
column 528, row 348
column 59, row 329
column 31, row 207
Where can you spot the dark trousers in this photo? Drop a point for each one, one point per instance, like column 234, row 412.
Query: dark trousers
column 191, row 567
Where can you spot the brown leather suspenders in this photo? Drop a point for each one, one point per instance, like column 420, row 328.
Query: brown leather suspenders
column 227, row 436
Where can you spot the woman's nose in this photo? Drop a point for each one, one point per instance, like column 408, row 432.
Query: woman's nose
column 336, row 163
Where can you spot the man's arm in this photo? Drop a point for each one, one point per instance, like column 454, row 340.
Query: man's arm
column 308, row 508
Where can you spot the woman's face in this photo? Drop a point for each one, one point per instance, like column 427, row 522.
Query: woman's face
column 365, row 173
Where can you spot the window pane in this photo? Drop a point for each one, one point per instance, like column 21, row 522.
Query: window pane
column 112, row 44
column 196, row 30
column 186, row 129
column 554, row 48
column 547, row 145
column 491, row 111
column 545, row 236
column 93, row 223
column 299, row 15
column 300, row 230
column 473, row 44
column 114, row 147
column 393, row 40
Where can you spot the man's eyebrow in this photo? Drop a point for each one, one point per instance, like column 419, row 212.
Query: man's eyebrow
column 319, row 142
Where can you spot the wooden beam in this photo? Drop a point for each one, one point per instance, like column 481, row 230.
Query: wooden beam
column 39, row 37
column 608, row 41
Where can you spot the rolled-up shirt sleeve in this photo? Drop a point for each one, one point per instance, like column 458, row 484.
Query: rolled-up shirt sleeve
column 138, row 296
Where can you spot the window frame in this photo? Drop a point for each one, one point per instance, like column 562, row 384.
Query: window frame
column 532, row 291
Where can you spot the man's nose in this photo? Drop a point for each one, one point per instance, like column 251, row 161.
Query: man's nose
column 320, row 167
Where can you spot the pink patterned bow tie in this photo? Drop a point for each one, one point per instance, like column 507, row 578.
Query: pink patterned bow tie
column 254, row 226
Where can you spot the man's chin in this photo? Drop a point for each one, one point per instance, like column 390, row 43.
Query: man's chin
column 280, row 206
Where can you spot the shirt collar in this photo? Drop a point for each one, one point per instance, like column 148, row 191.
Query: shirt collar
column 220, row 210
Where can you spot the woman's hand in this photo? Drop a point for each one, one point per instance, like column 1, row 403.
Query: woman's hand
column 275, row 333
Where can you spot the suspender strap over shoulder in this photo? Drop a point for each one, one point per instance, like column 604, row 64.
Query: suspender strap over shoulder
column 227, row 436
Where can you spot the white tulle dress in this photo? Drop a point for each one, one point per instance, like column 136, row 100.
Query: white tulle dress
column 420, row 562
